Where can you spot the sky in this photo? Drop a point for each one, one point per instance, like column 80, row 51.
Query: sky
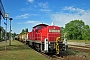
column 28, row 13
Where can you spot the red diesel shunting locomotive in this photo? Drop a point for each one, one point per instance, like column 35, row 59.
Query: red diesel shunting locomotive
column 46, row 39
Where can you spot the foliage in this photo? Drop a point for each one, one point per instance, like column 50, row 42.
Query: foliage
column 14, row 34
column 2, row 33
column 86, row 33
column 62, row 33
column 77, row 30
column 24, row 30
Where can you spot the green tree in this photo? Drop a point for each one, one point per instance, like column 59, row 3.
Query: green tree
column 22, row 31
column 26, row 30
column 74, row 29
column 14, row 34
column 8, row 35
column 2, row 33
column 86, row 32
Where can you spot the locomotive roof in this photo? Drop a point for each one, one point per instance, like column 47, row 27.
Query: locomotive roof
column 40, row 25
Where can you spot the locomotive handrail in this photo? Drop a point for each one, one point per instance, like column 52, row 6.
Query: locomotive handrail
column 58, row 39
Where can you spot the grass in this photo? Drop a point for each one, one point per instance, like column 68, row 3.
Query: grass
column 89, row 56
column 18, row 51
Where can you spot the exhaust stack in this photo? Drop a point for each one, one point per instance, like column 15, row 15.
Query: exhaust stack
column 52, row 24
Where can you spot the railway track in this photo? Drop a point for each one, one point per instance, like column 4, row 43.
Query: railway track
column 85, row 47
column 80, row 48
column 65, row 56
column 53, row 56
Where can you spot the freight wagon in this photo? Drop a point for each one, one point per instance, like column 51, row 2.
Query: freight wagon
column 22, row 37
